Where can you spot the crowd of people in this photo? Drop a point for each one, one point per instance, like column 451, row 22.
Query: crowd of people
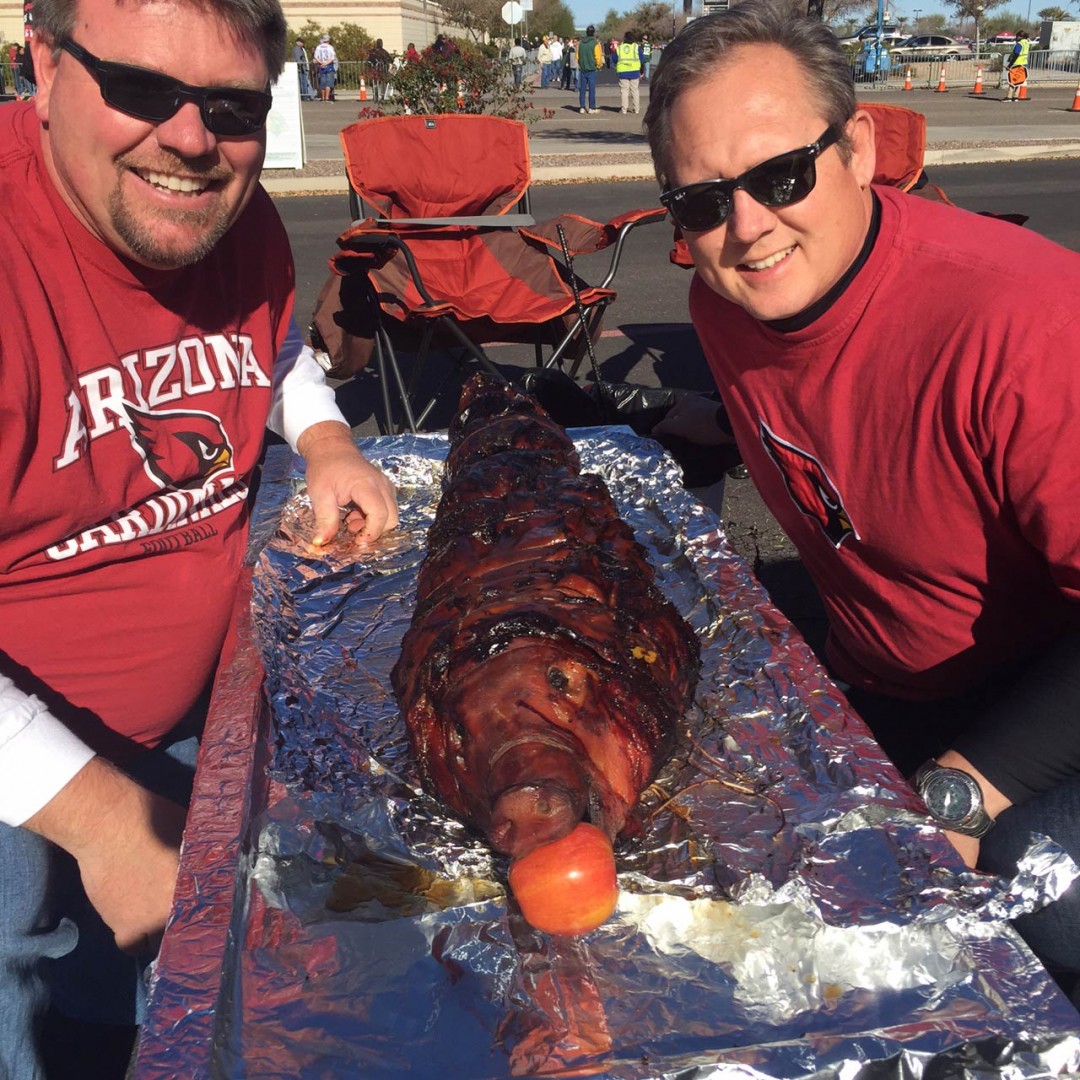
column 318, row 73
column 557, row 60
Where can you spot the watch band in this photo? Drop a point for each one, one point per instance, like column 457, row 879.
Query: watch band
column 937, row 784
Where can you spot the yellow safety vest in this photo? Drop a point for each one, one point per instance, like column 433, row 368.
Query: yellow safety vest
column 629, row 60
column 1022, row 55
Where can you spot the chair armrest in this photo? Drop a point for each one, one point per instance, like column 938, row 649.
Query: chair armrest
column 482, row 221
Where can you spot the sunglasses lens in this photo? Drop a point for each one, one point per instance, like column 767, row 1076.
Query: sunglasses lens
column 782, row 181
column 141, row 94
column 701, row 207
column 235, row 112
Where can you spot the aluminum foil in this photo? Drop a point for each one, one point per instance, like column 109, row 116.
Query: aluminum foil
column 786, row 909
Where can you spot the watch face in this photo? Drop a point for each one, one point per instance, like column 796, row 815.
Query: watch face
column 948, row 797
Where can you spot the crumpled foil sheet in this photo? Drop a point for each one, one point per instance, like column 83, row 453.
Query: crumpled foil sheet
column 787, row 910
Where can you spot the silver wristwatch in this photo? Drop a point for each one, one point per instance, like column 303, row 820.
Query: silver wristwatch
column 953, row 799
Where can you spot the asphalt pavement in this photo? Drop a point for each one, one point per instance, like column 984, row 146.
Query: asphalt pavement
column 962, row 128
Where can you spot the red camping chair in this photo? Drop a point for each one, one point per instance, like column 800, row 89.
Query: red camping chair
column 451, row 249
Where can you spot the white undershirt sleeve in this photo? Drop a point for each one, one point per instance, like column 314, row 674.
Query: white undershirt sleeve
column 301, row 394
column 38, row 754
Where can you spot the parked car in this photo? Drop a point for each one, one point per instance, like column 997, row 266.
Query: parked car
column 932, row 47
column 890, row 35
column 1005, row 37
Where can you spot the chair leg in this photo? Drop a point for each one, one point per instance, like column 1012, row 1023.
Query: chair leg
column 387, row 359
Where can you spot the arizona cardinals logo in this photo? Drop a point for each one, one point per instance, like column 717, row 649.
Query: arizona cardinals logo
column 179, row 449
column 809, row 487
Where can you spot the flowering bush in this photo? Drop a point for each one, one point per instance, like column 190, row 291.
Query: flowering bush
column 456, row 82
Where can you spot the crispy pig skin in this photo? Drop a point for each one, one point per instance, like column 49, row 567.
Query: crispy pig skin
column 544, row 673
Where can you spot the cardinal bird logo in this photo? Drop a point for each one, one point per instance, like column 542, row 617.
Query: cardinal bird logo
column 809, row 487
column 179, row 449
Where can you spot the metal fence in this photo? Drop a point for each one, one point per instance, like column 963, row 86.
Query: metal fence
column 1044, row 67
column 350, row 72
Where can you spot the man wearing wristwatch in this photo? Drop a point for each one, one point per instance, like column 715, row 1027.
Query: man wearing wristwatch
column 927, row 478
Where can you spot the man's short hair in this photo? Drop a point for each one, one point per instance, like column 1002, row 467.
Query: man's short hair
column 702, row 48
column 590, row 30
column 262, row 20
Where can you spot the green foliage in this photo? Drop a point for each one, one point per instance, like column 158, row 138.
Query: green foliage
column 651, row 18
column 350, row 41
column 551, row 17
column 1054, row 14
column 311, row 31
column 432, row 86
column 611, row 26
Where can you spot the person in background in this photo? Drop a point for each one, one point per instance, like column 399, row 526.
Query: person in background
column 325, row 58
column 555, row 68
column 517, row 61
column 147, row 339
column 411, row 55
column 25, row 79
column 590, row 57
column 570, row 66
column 646, row 57
column 379, row 61
column 543, row 57
column 300, row 59
column 1016, row 66
column 628, row 70
column 928, row 483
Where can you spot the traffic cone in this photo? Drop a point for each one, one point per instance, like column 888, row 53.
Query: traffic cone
column 941, row 87
column 1076, row 100
column 363, row 90
column 907, row 78
column 978, row 82
column 1022, row 96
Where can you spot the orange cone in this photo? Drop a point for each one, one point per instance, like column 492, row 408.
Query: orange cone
column 1076, row 100
column 363, row 90
column 907, row 78
column 941, row 87
column 978, row 82
column 1022, row 96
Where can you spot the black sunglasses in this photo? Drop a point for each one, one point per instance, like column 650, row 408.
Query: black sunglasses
column 780, row 181
column 149, row 95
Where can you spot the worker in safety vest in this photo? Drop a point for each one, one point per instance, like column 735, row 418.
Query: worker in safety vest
column 628, row 69
column 1017, row 65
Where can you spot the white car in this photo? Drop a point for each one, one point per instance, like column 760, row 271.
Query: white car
column 932, row 47
column 890, row 35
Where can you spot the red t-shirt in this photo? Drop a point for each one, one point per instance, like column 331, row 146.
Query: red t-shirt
column 918, row 442
column 132, row 411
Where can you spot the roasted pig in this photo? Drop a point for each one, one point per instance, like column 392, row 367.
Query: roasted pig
column 544, row 673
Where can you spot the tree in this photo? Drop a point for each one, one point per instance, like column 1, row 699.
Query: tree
column 611, row 26
column 551, row 17
column 651, row 18
column 351, row 42
column 478, row 18
column 972, row 9
column 1054, row 14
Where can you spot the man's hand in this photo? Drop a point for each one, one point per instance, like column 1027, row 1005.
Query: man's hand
column 694, row 417
column 126, row 841
column 339, row 476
